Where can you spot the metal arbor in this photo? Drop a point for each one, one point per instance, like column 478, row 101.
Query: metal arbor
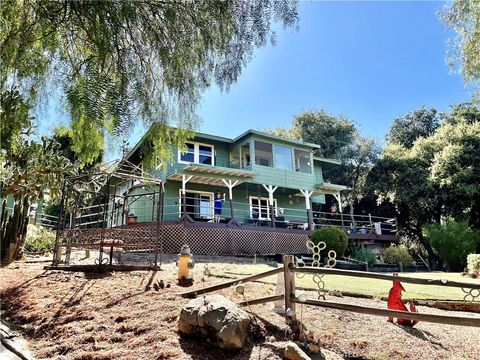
column 94, row 214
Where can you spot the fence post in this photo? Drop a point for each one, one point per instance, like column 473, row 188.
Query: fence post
column 288, row 261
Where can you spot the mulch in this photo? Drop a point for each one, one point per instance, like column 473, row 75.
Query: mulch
column 123, row 315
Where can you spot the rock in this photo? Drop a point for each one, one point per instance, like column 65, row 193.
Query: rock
column 217, row 316
column 330, row 355
column 293, row 352
column 314, row 348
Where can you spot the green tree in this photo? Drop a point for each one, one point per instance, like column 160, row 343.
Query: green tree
column 463, row 16
column 26, row 174
column 403, row 179
column 332, row 132
column 454, row 153
column 119, row 62
column 408, row 128
column 358, row 160
column 437, row 175
column 453, row 241
column 28, row 169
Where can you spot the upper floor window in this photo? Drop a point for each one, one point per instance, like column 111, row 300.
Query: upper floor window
column 196, row 153
column 283, row 157
column 263, row 153
column 302, row 161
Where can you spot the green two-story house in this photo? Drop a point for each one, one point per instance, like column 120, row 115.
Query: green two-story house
column 253, row 194
column 256, row 174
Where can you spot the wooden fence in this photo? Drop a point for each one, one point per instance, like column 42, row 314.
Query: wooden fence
column 289, row 269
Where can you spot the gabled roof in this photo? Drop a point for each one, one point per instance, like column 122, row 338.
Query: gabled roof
column 275, row 137
column 243, row 135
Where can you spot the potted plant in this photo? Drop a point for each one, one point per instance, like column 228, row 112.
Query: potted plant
column 131, row 218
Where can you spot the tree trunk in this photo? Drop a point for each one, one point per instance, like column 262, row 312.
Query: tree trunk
column 433, row 258
column 351, row 214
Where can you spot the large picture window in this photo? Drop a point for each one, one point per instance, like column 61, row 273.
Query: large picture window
column 283, row 157
column 263, row 153
column 196, row 153
column 259, row 208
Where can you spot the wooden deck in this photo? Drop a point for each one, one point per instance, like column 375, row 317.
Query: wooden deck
column 207, row 238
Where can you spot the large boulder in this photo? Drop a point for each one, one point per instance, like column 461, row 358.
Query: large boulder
column 218, row 317
column 293, row 352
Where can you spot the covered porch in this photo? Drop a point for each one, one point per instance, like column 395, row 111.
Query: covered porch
column 265, row 207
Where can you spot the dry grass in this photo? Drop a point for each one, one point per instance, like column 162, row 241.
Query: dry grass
column 120, row 316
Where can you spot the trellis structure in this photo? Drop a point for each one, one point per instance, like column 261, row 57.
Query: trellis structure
column 90, row 209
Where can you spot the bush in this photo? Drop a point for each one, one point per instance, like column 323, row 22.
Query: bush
column 453, row 242
column 39, row 240
column 396, row 254
column 334, row 237
column 365, row 255
column 473, row 263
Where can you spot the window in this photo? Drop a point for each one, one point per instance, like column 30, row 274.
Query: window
column 235, row 158
column 205, row 155
column 259, row 208
column 302, row 161
column 245, row 155
column 189, row 155
column 196, row 153
column 263, row 153
column 199, row 205
column 283, row 157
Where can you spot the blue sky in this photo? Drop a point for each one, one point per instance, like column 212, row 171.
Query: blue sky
column 371, row 61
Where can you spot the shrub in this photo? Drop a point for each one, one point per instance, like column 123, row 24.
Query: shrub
column 334, row 237
column 453, row 242
column 473, row 263
column 365, row 255
column 395, row 254
column 39, row 240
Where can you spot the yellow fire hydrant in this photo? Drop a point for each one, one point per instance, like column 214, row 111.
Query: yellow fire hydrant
column 185, row 263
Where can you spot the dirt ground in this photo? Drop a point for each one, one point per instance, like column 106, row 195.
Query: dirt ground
column 122, row 315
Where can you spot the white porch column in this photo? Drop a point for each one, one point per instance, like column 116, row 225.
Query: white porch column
column 307, row 194
column 271, row 189
column 230, row 185
column 339, row 200
column 185, row 180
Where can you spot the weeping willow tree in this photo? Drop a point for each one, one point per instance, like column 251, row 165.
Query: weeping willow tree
column 120, row 62
column 463, row 16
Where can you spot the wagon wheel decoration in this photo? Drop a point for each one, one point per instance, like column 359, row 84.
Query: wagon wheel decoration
column 316, row 262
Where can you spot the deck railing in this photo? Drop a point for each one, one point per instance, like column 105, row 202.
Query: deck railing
column 245, row 214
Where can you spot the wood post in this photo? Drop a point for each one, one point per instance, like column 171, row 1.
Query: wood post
column 288, row 261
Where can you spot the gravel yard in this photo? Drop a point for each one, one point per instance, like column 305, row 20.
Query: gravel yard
column 66, row 315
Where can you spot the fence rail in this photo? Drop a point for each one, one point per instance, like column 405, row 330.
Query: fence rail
column 290, row 298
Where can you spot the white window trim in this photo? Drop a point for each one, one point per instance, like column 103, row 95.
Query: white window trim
column 196, row 153
column 208, row 193
column 250, row 198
